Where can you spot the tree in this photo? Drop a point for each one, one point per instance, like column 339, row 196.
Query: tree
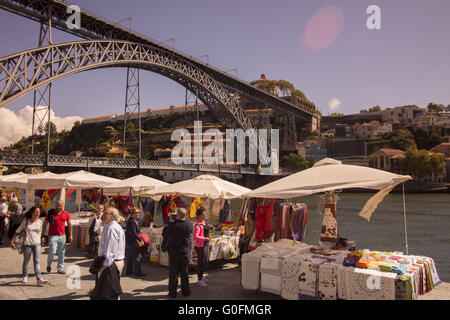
column 363, row 111
column 424, row 138
column 295, row 162
column 53, row 131
column 421, row 164
column 436, row 108
column 402, row 139
column 375, row 109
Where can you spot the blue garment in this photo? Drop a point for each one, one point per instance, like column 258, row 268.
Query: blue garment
column 36, row 250
column 132, row 232
column 112, row 243
column 56, row 244
column 133, row 259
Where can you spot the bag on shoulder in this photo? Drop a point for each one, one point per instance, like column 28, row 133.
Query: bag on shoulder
column 97, row 265
column 20, row 239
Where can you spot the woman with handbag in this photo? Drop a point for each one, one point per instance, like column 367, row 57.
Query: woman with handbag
column 134, row 243
column 30, row 229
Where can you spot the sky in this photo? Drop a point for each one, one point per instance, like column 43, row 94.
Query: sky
column 323, row 47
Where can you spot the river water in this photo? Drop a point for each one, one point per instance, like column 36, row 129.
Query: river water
column 427, row 216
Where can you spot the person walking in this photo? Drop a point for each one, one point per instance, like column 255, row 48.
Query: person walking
column 201, row 240
column 4, row 214
column 134, row 243
column 57, row 219
column 95, row 231
column 38, row 204
column 179, row 245
column 31, row 243
column 16, row 217
column 112, row 250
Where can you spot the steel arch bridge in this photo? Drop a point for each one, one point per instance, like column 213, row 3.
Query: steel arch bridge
column 28, row 70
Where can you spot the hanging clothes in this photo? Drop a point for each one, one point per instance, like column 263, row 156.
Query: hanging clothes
column 196, row 204
column 329, row 231
column 264, row 214
column 225, row 212
column 215, row 210
column 298, row 221
column 158, row 215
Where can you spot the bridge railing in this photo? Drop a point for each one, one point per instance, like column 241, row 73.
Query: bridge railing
column 102, row 162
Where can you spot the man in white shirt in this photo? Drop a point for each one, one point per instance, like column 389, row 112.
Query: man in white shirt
column 4, row 213
column 112, row 242
column 112, row 247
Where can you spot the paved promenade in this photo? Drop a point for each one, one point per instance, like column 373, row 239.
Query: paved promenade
column 224, row 282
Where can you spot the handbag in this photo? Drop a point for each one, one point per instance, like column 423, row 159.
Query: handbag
column 97, row 265
column 20, row 239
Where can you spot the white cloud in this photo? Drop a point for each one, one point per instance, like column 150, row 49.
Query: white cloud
column 334, row 104
column 15, row 126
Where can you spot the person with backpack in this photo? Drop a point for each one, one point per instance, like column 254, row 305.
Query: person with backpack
column 31, row 226
column 201, row 240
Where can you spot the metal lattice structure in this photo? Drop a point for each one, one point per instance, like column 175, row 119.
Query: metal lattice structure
column 290, row 133
column 42, row 96
column 132, row 106
column 97, row 162
column 95, row 27
column 28, row 70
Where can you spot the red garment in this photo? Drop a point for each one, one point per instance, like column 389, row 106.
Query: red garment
column 145, row 238
column 58, row 228
column 263, row 226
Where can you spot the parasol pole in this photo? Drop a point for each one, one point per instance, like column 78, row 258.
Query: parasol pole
column 404, row 218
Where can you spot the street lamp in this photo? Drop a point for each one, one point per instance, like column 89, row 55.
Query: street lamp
column 171, row 39
column 235, row 70
column 129, row 24
column 205, row 55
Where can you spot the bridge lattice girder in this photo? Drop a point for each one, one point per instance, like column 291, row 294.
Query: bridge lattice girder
column 96, row 27
column 26, row 71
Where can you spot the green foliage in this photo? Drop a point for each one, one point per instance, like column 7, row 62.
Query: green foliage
column 296, row 162
column 402, row 139
column 336, row 114
column 375, row 109
column 284, row 88
column 434, row 107
column 424, row 138
column 420, row 164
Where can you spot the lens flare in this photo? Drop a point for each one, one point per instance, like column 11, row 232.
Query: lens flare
column 322, row 29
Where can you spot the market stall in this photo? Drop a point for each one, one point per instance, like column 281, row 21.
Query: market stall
column 215, row 195
column 65, row 185
column 330, row 271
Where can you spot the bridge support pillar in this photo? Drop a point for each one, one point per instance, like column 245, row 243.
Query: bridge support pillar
column 42, row 97
column 132, row 111
column 290, row 133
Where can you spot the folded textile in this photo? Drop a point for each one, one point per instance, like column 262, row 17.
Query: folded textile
column 327, row 289
column 350, row 260
column 309, row 276
column 367, row 284
column 363, row 263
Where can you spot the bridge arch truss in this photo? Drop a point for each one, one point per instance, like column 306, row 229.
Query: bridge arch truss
column 29, row 70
